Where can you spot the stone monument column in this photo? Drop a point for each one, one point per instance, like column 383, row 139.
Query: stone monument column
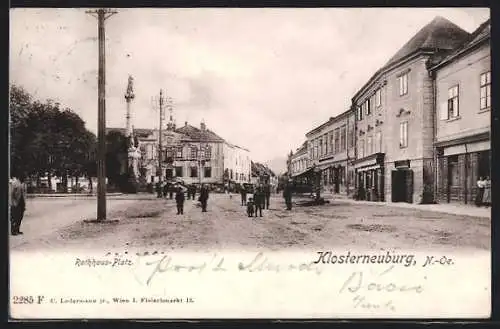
column 133, row 153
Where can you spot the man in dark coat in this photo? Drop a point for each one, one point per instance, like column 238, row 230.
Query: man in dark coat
column 158, row 189
column 17, row 204
column 258, row 199
column 179, row 200
column 166, row 186
column 267, row 195
column 287, row 194
column 193, row 191
column 203, row 197
column 243, row 192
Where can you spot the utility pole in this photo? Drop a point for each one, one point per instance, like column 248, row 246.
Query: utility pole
column 160, row 102
column 102, row 15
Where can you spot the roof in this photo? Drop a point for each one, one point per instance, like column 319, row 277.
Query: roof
column 236, row 146
column 197, row 134
column 193, row 133
column 137, row 131
column 440, row 34
column 482, row 33
column 258, row 169
column 330, row 121
column 301, row 149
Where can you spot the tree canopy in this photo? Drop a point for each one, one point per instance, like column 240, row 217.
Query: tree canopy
column 46, row 139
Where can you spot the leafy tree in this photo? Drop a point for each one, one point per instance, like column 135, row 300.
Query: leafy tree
column 46, row 140
column 116, row 158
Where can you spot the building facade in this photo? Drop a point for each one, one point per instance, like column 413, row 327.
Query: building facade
column 237, row 164
column 370, row 105
column 331, row 149
column 404, row 107
column 299, row 161
column 463, row 110
column 193, row 155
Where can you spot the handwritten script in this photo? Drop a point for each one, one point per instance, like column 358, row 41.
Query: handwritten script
column 360, row 285
column 259, row 263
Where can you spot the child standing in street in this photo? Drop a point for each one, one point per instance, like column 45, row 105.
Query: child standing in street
column 250, row 207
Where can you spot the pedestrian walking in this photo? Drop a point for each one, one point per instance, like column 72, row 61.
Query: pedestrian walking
column 287, row 194
column 193, row 191
column 17, row 198
column 158, row 189
column 487, row 192
column 243, row 193
column 165, row 189
column 203, row 197
column 480, row 191
column 267, row 195
column 258, row 199
column 179, row 200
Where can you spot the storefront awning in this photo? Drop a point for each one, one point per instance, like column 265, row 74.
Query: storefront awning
column 305, row 173
column 372, row 161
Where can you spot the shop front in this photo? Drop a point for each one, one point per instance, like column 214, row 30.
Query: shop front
column 370, row 173
column 459, row 167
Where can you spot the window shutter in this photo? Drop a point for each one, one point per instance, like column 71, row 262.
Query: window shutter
column 443, row 115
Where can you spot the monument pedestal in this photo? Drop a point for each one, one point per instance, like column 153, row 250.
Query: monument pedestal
column 133, row 170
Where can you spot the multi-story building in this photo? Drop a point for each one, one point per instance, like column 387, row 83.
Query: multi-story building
column 237, row 164
column 396, row 103
column 330, row 149
column 194, row 155
column 299, row 161
column 462, row 118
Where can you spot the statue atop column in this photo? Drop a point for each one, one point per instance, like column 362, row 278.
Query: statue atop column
column 133, row 148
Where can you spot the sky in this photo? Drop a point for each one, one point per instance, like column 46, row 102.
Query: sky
column 259, row 78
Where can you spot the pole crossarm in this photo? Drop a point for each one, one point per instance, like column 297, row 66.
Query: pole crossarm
column 105, row 11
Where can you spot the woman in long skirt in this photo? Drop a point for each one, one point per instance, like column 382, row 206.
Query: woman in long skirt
column 487, row 192
column 480, row 191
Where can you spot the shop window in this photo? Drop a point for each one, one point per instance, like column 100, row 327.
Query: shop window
column 194, row 172
column 208, row 172
column 178, row 171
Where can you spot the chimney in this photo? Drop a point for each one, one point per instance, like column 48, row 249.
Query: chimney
column 202, row 125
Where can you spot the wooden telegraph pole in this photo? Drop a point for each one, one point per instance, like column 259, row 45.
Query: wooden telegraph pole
column 158, row 103
column 102, row 15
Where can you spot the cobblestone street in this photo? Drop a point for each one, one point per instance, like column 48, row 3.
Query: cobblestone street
column 147, row 223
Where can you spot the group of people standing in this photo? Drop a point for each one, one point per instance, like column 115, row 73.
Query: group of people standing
column 260, row 200
column 483, row 196
column 190, row 190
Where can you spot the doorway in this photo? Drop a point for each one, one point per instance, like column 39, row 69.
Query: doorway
column 402, row 185
column 336, row 179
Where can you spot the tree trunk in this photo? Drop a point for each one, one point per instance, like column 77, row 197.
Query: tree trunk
column 65, row 182
column 49, row 177
column 91, row 188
